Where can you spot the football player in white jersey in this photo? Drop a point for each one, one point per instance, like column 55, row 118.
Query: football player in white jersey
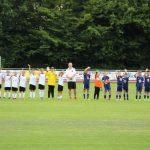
column 32, row 82
column 15, row 81
column 1, row 78
column 7, row 84
column 22, row 84
column 60, row 84
column 41, row 83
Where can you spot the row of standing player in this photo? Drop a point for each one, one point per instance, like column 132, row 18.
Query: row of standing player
column 122, row 84
column 11, row 83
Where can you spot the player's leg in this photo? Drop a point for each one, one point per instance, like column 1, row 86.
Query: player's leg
column 34, row 91
column 109, row 94
column 13, row 94
column 148, row 92
column 48, row 91
column 88, row 93
column 70, row 94
column 58, row 95
column 98, row 91
column 0, row 90
column 52, row 91
column 105, row 91
column 30, row 88
column 124, row 93
column 117, row 93
column 137, row 89
column 9, row 92
column 74, row 91
column 40, row 91
column 69, row 90
column 145, row 92
column 84, row 93
column 127, row 94
column 95, row 92
column 140, row 93
column 5, row 90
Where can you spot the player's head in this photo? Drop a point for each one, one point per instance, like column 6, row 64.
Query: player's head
column 33, row 72
column 42, row 71
column 139, row 72
column 70, row 65
column 119, row 73
column 146, row 74
column 15, row 73
column 23, row 72
column 105, row 73
column 7, row 72
column 96, row 74
column 52, row 69
column 61, row 73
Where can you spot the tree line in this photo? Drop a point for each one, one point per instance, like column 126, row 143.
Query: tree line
column 100, row 33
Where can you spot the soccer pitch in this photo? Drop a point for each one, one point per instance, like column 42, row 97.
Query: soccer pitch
column 75, row 124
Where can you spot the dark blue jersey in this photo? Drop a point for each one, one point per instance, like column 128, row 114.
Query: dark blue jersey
column 147, row 81
column 119, row 80
column 139, row 81
column 105, row 79
column 125, row 81
column 86, row 78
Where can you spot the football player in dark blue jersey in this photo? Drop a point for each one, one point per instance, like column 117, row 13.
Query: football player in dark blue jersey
column 119, row 85
column 107, row 87
column 125, row 84
column 139, row 84
column 146, row 84
column 86, row 83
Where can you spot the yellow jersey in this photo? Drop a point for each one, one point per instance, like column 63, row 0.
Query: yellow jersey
column 51, row 77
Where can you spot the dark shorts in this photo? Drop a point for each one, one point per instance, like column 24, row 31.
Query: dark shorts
column 107, row 87
column 86, row 86
column 119, row 88
column 14, row 89
column 22, row 89
column 71, row 85
column 125, row 88
column 60, row 88
column 32, row 87
column 147, row 89
column 139, row 88
column 41, row 87
column 0, row 86
column 7, row 88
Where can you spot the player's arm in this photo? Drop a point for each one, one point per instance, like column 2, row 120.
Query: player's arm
column 135, row 75
column 117, row 72
column 29, row 68
column 86, row 69
column 74, row 73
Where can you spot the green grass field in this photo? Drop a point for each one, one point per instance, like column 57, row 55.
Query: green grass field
column 75, row 125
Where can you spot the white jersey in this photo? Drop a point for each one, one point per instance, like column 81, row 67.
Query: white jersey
column 71, row 74
column 7, row 79
column 1, row 77
column 15, row 81
column 32, row 80
column 42, row 78
column 61, row 80
column 23, row 81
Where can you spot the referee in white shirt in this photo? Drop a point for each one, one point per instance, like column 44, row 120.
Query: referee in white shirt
column 71, row 79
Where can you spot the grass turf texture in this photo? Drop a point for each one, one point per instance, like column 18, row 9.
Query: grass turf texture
column 75, row 125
